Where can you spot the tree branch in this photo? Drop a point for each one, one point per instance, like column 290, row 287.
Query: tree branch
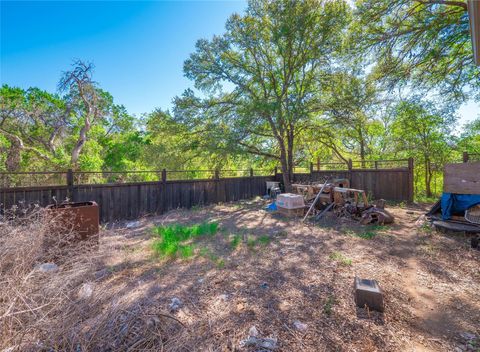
column 444, row 2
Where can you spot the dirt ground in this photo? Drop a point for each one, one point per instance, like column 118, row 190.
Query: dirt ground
column 298, row 288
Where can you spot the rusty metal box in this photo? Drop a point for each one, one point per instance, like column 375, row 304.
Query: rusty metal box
column 82, row 218
column 368, row 293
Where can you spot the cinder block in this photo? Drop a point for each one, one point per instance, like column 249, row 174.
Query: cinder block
column 367, row 292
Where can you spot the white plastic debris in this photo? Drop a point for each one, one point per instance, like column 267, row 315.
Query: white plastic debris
column 300, row 326
column 133, row 224
column 253, row 331
column 86, row 291
column 175, row 304
column 47, row 268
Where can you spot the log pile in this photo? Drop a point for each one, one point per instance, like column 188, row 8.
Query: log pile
column 343, row 201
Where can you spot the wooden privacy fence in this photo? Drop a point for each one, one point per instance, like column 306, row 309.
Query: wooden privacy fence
column 129, row 200
column 387, row 179
column 129, row 195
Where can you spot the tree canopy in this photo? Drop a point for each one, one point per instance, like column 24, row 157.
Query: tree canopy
column 287, row 83
column 422, row 42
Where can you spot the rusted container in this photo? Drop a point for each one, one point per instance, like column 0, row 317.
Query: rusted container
column 80, row 218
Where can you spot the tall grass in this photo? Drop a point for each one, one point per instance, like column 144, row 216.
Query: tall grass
column 172, row 238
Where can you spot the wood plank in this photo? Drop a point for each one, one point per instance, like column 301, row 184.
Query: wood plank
column 463, row 178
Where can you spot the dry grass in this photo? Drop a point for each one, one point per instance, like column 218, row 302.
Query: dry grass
column 274, row 273
column 55, row 311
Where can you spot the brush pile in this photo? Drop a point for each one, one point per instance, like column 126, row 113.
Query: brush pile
column 52, row 299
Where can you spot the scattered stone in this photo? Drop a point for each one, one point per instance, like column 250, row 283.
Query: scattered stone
column 253, row 340
column 133, row 224
column 264, row 285
column 175, row 304
column 222, row 298
column 100, row 274
column 47, row 268
column 269, row 344
column 85, row 291
column 300, row 326
column 253, row 332
column 201, row 280
column 468, row 336
column 410, row 212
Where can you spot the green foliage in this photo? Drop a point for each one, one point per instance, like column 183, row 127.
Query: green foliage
column 328, row 306
column 235, row 241
column 264, row 240
column 251, row 242
column 426, row 228
column 172, row 237
column 339, row 257
column 288, row 83
column 422, row 131
column 367, row 233
column 186, row 251
column 220, row 263
column 274, row 60
column 420, row 42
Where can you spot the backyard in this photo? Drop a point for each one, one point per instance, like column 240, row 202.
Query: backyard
column 235, row 277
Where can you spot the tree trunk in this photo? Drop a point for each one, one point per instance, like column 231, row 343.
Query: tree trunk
column 12, row 162
column 428, row 178
column 82, row 138
column 362, row 153
column 290, row 157
column 285, row 171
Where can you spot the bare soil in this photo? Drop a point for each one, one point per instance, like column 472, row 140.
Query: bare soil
column 431, row 281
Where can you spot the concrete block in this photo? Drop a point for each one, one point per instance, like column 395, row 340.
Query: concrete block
column 367, row 292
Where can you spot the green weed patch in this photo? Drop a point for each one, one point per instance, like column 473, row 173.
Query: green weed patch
column 235, row 241
column 172, row 238
column 339, row 257
column 367, row 234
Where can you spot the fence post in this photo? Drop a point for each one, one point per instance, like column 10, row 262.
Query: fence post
column 311, row 168
column 275, row 172
column 410, row 180
column 349, row 172
column 318, row 163
column 70, row 181
column 251, row 172
column 465, row 157
column 376, row 164
column 164, row 175
column 216, row 179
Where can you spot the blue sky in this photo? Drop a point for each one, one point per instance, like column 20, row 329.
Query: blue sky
column 138, row 48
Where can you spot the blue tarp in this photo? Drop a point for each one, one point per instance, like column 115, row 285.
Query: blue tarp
column 457, row 203
column 271, row 207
